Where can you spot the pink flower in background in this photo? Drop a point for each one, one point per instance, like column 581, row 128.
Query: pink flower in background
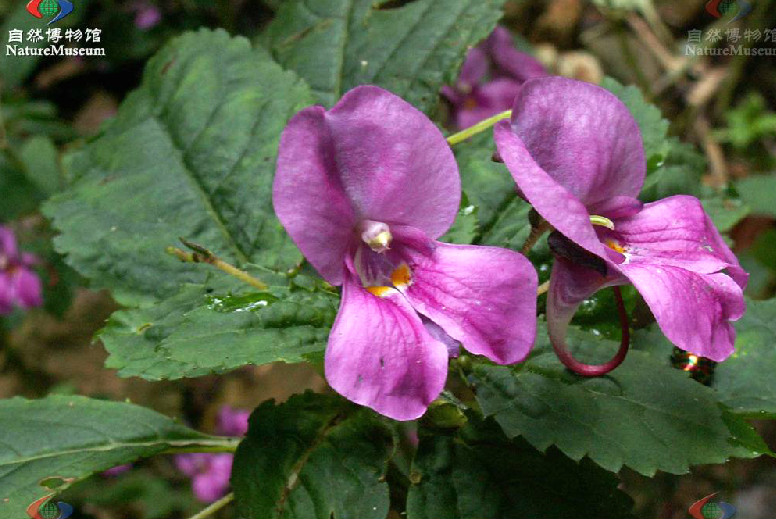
column 146, row 15
column 210, row 473
column 19, row 285
column 490, row 78
column 117, row 471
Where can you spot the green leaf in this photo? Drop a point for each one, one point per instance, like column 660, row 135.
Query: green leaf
column 46, row 445
column 644, row 415
column 20, row 196
column 191, row 153
column 312, row 457
column 41, row 161
column 216, row 327
column 484, row 475
column 745, row 381
column 757, row 192
column 411, row 50
column 466, row 226
column 488, row 185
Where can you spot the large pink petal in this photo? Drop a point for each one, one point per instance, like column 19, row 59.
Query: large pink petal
column 693, row 310
column 394, row 163
column 381, row 356
column 483, row 297
column 308, row 195
column 562, row 209
column 582, row 136
column 677, row 231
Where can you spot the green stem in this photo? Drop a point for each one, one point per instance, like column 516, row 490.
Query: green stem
column 477, row 128
column 214, row 507
column 203, row 255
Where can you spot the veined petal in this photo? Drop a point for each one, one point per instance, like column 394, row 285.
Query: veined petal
column 553, row 201
column 308, row 195
column 677, row 231
column 483, row 297
column 381, row 356
column 693, row 310
column 393, row 162
column 582, row 136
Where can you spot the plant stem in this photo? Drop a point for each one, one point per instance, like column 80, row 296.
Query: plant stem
column 544, row 287
column 203, row 255
column 537, row 231
column 214, row 507
column 477, row 128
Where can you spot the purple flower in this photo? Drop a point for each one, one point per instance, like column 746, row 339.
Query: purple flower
column 577, row 156
column 147, row 15
column 210, row 473
column 490, row 79
column 19, row 285
column 364, row 190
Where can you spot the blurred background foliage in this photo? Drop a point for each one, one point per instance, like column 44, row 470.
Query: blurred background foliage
column 724, row 107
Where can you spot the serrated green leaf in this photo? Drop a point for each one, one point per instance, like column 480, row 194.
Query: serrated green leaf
column 745, row 381
column 216, row 327
column 757, row 192
column 191, row 153
column 312, row 457
column 484, row 475
column 61, row 439
column 644, row 415
column 411, row 50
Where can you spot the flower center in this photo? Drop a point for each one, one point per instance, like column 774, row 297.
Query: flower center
column 377, row 235
column 401, row 278
column 615, row 246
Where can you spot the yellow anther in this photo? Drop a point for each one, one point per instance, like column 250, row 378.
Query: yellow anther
column 381, row 242
column 379, row 291
column 401, row 277
column 602, row 221
column 615, row 246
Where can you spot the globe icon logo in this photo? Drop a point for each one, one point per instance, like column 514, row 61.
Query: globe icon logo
column 48, row 7
column 726, row 6
column 712, row 510
column 49, row 511
column 54, row 9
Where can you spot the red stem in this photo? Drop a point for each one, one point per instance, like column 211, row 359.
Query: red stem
column 596, row 370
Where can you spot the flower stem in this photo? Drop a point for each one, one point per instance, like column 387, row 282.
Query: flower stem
column 214, row 507
column 597, row 370
column 541, row 289
column 477, row 128
column 203, row 255
column 536, row 232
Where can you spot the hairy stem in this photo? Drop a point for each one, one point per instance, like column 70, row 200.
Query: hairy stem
column 203, row 255
column 477, row 128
